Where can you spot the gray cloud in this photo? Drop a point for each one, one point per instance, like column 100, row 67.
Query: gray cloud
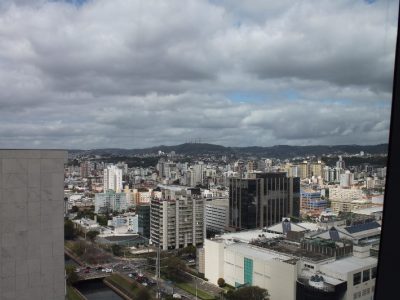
column 142, row 73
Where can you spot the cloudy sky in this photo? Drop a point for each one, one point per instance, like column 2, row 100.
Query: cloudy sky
column 138, row 73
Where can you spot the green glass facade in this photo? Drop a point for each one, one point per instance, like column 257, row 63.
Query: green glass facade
column 248, row 271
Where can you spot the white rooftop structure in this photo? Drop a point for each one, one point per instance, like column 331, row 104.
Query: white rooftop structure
column 246, row 236
column 348, row 264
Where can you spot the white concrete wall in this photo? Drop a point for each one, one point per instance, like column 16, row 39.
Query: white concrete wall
column 277, row 277
column 32, row 224
column 213, row 260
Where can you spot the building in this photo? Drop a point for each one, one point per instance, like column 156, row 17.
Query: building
column 346, row 179
column 127, row 222
column 347, row 200
column 143, row 212
column 110, row 201
column 112, row 178
column 311, row 202
column 311, row 268
column 32, row 224
column 177, row 219
column 217, row 215
column 262, row 200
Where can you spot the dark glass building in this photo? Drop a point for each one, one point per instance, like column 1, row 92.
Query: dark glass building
column 262, row 200
column 143, row 212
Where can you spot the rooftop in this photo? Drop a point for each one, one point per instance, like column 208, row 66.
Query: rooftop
column 348, row 264
column 247, row 236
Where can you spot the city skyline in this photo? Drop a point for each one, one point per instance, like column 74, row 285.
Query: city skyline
column 126, row 74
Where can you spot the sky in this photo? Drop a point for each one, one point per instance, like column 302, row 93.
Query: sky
column 90, row 74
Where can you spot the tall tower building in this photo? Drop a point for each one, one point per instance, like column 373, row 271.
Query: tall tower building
column 177, row 219
column 112, row 178
column 32, row 224
column 263, row 200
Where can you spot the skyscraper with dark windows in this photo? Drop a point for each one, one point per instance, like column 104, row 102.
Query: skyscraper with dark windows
column 262, row 200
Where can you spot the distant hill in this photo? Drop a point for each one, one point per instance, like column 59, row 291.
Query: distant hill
column 279, row 151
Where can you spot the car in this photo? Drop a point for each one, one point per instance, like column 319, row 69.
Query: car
column 87, row 271
column 99, row 268
column 144, row 283
column 109, row 270
column 130, row 275
column 77, row 270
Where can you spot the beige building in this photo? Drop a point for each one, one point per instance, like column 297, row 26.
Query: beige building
column 177, row 218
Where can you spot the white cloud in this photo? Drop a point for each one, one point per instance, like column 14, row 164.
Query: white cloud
column 143, row 73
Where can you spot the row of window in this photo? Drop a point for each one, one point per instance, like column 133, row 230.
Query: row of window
column 366, row 275
column 366, row 291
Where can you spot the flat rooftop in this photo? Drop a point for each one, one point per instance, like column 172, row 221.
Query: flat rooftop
column 258, row 253
column 349, row 264
column 247, row 236
column 293, row 249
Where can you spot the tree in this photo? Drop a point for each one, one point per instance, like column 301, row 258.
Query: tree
column 69, row 230
column 92, row 235
column 143, row 294
column 116, row 250
column 74, row 209
column 221, row 282
column 248, row 292
column 79, row 248
column 102, row 220
column 174, row 268
column 72, row 276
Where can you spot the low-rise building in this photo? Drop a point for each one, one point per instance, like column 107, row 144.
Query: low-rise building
column 110, row 201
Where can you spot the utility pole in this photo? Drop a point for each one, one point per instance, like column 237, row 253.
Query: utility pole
column 158, row 270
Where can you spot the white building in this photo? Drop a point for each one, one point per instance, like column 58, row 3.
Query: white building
column 112, row 178
column 289, row 271
column 129, row 223
column 110, row 200
column 346, row 179
column 217, row 215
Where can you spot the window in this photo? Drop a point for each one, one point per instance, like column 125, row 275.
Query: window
column 373, row 272
column 365, row 275
column 357, row 278
column 308, row 266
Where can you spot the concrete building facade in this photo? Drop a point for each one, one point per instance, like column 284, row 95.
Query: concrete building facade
column 112, row 178
column 32, row 224
column 177, row 219
column 217, row 215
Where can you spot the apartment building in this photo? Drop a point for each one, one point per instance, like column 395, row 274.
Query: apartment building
column 177, row 218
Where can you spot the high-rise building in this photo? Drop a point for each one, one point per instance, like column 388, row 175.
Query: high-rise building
column 32, row 224
column 346, row 179
column 263, row 200
column 177, row 219
column 217, row 215
column 143, row 212
column 112, row 178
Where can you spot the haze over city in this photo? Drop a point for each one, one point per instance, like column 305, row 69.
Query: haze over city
column 135, row 74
